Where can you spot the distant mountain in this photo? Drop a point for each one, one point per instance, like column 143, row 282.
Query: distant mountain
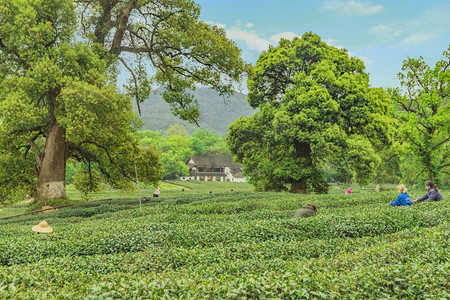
column 216, row 112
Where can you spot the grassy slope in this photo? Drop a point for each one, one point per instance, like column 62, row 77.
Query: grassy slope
column 231, row 245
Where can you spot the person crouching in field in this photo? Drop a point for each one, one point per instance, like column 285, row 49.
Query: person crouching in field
column 157, row 192
column 307, row 210
column 403, row 199
column 433, row 193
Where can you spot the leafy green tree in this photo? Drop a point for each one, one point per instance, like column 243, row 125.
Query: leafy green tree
column 388, row 170
column 175, row 151
column 177, row 130
column 422, row 108
column 218, row 149
column 87, row 181
column 173, row 164
column 57, row 94
column 205, row 142
column 315, row 103
column 149, row 138
column 163, row 42
column 70, row 171
column 16, row 176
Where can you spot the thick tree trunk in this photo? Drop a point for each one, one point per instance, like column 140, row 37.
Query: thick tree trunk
column 432, row 176
column 377, row 185
column 52, row 175
column 302, row 150
column 298, row 187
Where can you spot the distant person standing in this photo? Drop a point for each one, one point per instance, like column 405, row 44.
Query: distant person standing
column 348, row 191
column 432, row 194
column 307, row 210
column 157, row 192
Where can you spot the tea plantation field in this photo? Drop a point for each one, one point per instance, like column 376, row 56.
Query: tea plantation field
column 231, row 245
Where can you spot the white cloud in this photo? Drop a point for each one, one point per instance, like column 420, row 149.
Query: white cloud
column 330, row 41
column 333, row 42
column 251, row 38
column 216, row 24
column 379, row 29
column 283, row 35
column 417, row 38
column 365, row 59
column 351, row 8
column 253, row 41
column 388, row 31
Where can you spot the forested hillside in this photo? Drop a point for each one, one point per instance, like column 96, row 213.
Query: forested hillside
column 216, row 112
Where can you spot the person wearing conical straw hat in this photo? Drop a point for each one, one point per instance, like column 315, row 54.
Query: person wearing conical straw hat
column 42, row 227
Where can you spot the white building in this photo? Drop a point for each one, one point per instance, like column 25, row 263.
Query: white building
column 213, row 168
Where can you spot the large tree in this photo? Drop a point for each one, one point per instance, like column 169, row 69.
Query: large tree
column 422, row 108
column 315, row 104
column 58, row 65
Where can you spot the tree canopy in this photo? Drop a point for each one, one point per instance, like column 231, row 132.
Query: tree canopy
column 315, row 105
column 58, row 96
column 422, row 108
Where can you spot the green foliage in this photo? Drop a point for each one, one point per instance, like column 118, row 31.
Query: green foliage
column 207, row 143
column 49, row 78
column 168, row 46
column 425, row 119
column 16, row 177
column 389, row 168
column 70, row 171
column 149, row 138
column 57, row 93
column 176, row 147
column 315, row 106
column 176, row 130
column 231, row 245
column 363, row 159
column 87, row 181
column 175, row 150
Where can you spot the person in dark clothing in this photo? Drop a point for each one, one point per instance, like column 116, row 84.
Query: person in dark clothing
column 307, row 210
column 433, row 193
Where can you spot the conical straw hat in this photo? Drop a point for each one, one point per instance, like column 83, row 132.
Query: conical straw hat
column 42, row 227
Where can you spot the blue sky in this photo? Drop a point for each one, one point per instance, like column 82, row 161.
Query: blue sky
column 381, row 33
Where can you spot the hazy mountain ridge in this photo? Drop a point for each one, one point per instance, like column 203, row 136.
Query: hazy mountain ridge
column 216, row 112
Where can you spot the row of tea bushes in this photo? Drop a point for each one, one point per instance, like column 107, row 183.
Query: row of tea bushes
column 231, row 245
column 414, row 266
column 184, row 229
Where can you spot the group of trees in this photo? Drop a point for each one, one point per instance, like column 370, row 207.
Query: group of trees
column 318, row 112
column 173, row 148
column 315, row 106
column 176, row 146
column 59, row 101
column 59, row 61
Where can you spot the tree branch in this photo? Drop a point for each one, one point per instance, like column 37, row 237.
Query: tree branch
column 123, row 22
column 135, row 83
column 440, row 143
column 39, row 157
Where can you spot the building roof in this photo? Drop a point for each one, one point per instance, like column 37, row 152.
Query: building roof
column 206, row 174
column 237, row 173
column 214, row 161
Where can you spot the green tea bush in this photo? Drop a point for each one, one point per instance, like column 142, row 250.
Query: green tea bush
column 231, row 245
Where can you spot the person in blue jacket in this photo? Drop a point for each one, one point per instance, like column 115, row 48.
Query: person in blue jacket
column 433, row 193
column 403, row 199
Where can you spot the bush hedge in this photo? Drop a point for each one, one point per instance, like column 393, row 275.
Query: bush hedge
column 231, row 245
